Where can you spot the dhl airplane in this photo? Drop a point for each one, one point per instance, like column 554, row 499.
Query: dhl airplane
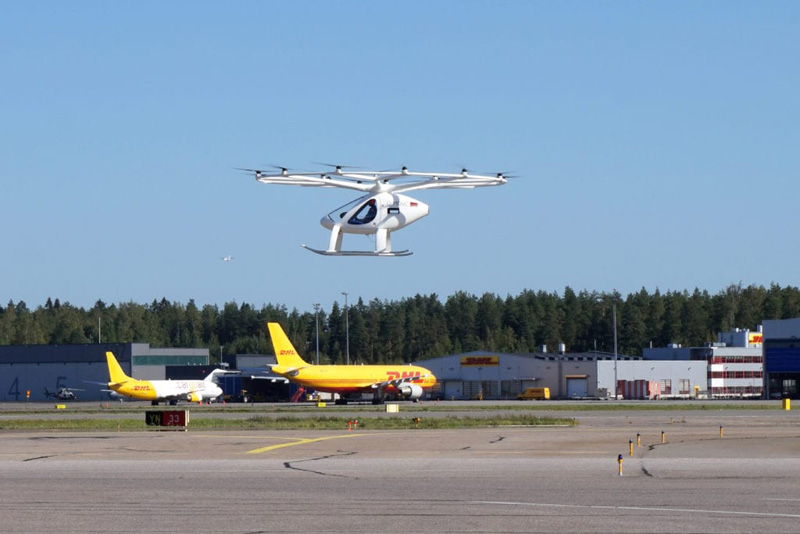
column 405, row 381
column 162, row 390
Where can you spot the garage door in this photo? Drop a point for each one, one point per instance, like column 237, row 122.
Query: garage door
column 577, row 387
column 452, row 389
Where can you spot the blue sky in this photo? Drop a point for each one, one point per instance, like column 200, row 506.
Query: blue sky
column 656, row 144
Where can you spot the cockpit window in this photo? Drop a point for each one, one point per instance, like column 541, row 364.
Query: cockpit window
column 366, row 214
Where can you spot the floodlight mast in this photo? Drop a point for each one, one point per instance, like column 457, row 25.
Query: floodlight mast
column 346, row 328
column 316, row 321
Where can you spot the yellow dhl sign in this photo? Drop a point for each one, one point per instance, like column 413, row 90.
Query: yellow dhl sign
column 755, row 338
column 476, row 361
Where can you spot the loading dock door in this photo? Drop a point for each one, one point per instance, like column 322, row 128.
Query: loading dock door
column 577, row 387
column 452, row 389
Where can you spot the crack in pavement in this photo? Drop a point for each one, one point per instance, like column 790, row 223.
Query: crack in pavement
column 288, row 465
column 39, row 457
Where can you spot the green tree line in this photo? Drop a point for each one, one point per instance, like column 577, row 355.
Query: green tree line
column 417, row 327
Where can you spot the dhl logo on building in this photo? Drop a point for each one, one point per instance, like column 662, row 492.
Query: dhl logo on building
column 484, row 361
column 755, row 338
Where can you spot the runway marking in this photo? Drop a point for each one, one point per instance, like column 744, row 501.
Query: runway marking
column 300, row 441
column 638, row 508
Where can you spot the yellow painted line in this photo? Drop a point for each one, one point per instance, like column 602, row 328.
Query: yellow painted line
column 300, row 441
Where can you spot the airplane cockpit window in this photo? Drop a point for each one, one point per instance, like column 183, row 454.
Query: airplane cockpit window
column 366, row 214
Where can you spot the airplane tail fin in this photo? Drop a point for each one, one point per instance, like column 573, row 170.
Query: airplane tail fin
column 214, row 375
column 284, row 350
column 115, row 372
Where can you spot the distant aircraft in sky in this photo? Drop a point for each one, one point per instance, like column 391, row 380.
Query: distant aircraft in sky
column 163, row 390
column 404, row 381
column 227, row 258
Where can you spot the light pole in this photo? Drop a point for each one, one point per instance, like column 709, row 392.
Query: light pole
column 316, row 321
column 346, row 327
column 614, row 311
column 614, row 322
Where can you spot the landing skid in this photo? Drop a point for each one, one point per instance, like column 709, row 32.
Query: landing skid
column 357, row 252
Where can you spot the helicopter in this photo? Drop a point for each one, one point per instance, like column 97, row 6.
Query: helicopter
column 382, row 209
column 62, row 393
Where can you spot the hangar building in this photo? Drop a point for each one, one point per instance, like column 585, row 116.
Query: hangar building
column 782, row 358
column 492, row 375
column 32, row 368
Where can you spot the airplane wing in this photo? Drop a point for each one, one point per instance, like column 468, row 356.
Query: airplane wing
column 270, row 378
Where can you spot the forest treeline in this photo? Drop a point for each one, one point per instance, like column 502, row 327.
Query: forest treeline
column 417, row 327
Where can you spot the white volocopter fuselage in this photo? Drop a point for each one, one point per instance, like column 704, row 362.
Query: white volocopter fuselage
column 378, row 214
column 384, row 210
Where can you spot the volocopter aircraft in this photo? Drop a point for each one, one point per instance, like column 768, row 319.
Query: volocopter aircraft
column 163, row 390
column 383, row 208
column 405, row 381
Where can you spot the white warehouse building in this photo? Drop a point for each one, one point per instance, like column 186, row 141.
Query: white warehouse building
column 492, row 375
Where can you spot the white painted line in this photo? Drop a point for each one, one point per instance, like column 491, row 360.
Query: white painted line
column 638, row 508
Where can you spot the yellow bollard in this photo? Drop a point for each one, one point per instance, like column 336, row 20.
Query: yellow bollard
column 638, row 440
column 720, row 432
column 787, row 404
column 630, row 447
column 619, row 461
column 663, row 437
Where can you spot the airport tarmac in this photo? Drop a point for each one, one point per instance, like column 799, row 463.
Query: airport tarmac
column 505, row 479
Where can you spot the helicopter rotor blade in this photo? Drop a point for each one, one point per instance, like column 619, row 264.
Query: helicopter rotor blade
column 338, row 168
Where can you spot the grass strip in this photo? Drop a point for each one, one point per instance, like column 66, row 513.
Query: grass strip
column 522, row 406
column 292, row 423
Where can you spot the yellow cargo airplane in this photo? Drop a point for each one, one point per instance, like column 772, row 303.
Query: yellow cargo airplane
column 405, row 381
column 162, row 390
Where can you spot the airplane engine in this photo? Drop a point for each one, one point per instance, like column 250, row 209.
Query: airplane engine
column 194, row 397
column 411, row 391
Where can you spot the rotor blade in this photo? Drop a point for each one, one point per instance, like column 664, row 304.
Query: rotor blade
column 502, row 174
column 335, row 166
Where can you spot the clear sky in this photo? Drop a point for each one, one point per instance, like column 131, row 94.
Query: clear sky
column 656, row 144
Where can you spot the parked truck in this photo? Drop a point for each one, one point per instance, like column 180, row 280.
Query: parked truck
column 535, row 394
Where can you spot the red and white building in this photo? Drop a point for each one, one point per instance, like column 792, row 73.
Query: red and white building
column 735, row 363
